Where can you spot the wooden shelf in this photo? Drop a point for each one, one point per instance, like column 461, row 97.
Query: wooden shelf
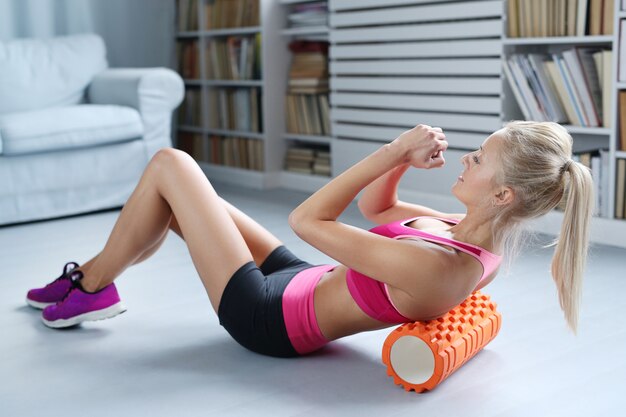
column 565, row 40
column 222, row 132
column 224, row 83
column 308, row 138
column 233, row 83
column 296, row 1
column 600, row 131
column 221, row 32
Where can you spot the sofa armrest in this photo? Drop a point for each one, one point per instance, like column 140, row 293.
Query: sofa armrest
column 154, row 92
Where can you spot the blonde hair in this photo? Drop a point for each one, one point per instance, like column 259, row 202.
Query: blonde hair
column 536, row 163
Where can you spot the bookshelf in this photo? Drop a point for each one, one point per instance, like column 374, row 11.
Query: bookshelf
column 227, row 128
column 308, row 139
column 605, row 228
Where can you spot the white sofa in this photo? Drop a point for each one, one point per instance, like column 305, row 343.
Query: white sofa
column 75, row 136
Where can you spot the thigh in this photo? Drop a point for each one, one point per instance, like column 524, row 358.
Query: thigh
column 259, row 240
column 216, row 246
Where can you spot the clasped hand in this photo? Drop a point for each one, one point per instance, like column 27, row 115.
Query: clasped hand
column 422, row 146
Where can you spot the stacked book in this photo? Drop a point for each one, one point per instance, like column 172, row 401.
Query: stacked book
column 233, row 58
column 308, row 14
column 539, row 18
column 307, row 93
column 573, row 86
column 234, row 109
column 308, row 160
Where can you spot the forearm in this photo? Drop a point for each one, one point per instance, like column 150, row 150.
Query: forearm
column 382, row 193
column 332, row 199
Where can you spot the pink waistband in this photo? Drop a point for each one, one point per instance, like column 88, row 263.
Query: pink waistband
column 299, row 310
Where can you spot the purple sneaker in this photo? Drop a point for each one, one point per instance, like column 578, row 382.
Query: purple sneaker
column 54, row 292
column 79, row 306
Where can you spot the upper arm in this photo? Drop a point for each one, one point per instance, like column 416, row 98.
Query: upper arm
column 403, row 210
column 392, row 261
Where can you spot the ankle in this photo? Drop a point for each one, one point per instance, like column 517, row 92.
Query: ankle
column 89, row 282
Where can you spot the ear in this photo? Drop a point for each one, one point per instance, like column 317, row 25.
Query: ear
column 503, row 196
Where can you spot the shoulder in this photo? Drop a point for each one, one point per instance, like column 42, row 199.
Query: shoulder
column 402, row 210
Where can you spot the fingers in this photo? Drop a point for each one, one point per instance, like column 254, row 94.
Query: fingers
column 437, row 160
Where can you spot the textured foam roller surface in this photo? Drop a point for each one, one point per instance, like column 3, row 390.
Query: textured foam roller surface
column 420, row 355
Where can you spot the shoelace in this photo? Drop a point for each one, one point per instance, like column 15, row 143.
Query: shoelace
column 66, row 270
column 75, row 277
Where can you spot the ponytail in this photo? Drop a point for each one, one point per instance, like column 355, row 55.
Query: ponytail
column 568, row 262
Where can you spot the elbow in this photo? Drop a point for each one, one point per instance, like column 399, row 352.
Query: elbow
column 297, row 221
column 365, row 211
column 293, row 220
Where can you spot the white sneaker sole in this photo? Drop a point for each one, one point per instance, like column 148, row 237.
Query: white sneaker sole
column 36, row 304
column 103, row 314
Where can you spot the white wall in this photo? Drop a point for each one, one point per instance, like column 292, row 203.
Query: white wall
column 138, row 33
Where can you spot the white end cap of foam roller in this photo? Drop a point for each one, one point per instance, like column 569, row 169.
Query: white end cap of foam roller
column 412, row 359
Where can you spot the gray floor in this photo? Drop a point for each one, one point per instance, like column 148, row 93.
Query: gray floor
column 168, row 356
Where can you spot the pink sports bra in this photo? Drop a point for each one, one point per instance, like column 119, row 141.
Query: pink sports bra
column 372, row 296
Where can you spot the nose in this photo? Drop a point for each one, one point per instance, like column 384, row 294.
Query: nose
column 464, row 159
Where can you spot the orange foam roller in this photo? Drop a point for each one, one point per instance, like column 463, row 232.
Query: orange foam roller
column 420, row 355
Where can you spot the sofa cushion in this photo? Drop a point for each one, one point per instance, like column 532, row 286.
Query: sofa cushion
column 40, row 73
column 69, row 127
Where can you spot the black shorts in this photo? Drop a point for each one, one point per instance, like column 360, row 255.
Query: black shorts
column 251, row 308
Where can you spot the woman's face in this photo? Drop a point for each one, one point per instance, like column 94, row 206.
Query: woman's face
column 476, row 185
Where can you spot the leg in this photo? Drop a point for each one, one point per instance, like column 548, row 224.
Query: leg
column 259, row 240
column 174, row 184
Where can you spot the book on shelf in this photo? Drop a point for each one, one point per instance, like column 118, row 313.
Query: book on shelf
column 233, row 58
column 189, row 110
column 544, row 18
column 187, row 15
column 188, row 60
column 195, row 144
column 597, row 161
column 621, row 62
column 620, row 189
column 569, row 87
column 311, row 160
column 234, row 109
column 621, row 144
column 221, row 14
column 308, row 114
column 235, row 152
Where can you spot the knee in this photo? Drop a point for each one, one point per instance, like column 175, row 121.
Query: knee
column 167, row 159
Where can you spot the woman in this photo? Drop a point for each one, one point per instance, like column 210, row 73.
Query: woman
column 401, row 271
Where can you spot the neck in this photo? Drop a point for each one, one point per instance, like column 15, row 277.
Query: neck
column 476, row 228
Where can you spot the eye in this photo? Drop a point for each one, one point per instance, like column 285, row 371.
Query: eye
column 475, row 158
